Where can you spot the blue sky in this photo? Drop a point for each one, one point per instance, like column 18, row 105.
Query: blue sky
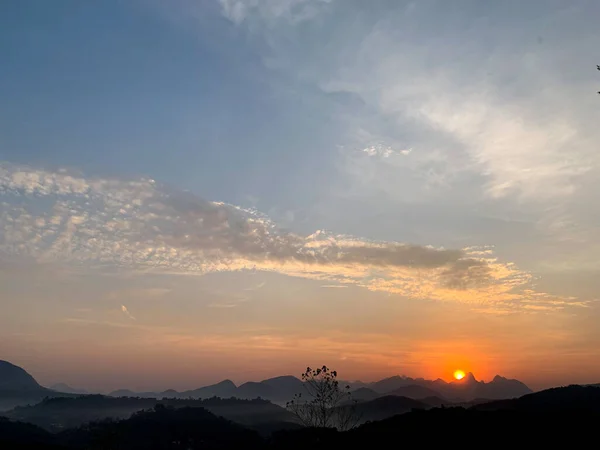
column 427, row 159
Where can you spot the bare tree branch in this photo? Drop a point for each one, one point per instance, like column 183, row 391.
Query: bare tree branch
column 326, row 404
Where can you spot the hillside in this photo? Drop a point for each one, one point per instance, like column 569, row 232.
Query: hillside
column 56, row 414
column 17, row 387
column 585, row 399
column 386, row 406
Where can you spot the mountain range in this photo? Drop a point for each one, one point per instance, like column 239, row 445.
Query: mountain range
column 19, row 387
column 558, row 417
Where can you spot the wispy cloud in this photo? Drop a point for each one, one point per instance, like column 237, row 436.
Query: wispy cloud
column 126, row 312
column 292, row 11
column 54, row 217
column 495, row 112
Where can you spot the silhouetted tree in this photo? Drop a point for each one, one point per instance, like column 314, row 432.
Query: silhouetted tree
column 326, row 405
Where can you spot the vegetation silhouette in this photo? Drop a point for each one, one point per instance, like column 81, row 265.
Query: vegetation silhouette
column 560, row 417
column 325, row 404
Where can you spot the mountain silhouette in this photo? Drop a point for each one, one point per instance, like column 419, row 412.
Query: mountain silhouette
column 14, row 378
column 575, row 398
column 55, row 414
column 224, row 389
column 415, row 392
column 282, row 389
column 17, row 387
column 62, row 387
column 387, row 406
column 130, row 393
column 463, row 390
column 278, row 389
column 364, row 394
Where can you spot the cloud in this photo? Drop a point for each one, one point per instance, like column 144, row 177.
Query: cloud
column 384, row 151
column 292, row 11
column 140, row 225
column 127, row 313
column 497, row 112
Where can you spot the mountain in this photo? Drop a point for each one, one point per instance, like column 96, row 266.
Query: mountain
column 165, row 428
column 463, row 390
column 287, row 384
column 223, row 389
column 279, row 390
column 129, row 393
column 364, row 394
column 390, row 384
column 55, row 414
column 14, row 378
column 17, row 435
column 17, row 387
column 576, row 399
column 415, row 392
column 499, row 388
column 62, row 387
column 253, row 389
column 435, row 402
column 387, row 406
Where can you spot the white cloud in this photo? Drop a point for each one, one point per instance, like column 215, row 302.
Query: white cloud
column 384, row 151
column 139, row 225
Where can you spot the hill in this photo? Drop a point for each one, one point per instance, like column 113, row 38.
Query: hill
column 55, row 414
column 17, row 387
column 21, row 436
column 364, row 394
column 415, row 392
column 386, row 406
column 65, row 388
column 14, row 378
column 575, row 398
column 560, row 417
column 164, row 428
column 225, row 389
column 278, row 390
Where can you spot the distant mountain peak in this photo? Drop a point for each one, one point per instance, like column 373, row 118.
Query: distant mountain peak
column 65, row 388
column 470, row 378
column 226, row 382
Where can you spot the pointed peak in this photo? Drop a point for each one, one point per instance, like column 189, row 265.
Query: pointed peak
column 470, row 377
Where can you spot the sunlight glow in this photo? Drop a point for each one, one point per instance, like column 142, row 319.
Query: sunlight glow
column 459, row 374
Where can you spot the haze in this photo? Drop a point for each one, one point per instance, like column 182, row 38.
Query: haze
column 199, row 190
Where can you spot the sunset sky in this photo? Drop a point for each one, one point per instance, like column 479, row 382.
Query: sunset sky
column 194, row 190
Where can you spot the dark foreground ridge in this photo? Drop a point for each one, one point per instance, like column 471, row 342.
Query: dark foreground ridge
column 562, row 416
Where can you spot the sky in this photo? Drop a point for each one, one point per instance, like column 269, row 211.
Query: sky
column 196, row 190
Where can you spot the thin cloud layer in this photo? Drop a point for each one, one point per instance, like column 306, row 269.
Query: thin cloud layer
column 59, row 217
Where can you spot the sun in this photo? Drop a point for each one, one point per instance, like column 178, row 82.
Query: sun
column 459, row 374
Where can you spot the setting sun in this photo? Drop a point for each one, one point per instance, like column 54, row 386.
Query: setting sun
column 459, row 374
